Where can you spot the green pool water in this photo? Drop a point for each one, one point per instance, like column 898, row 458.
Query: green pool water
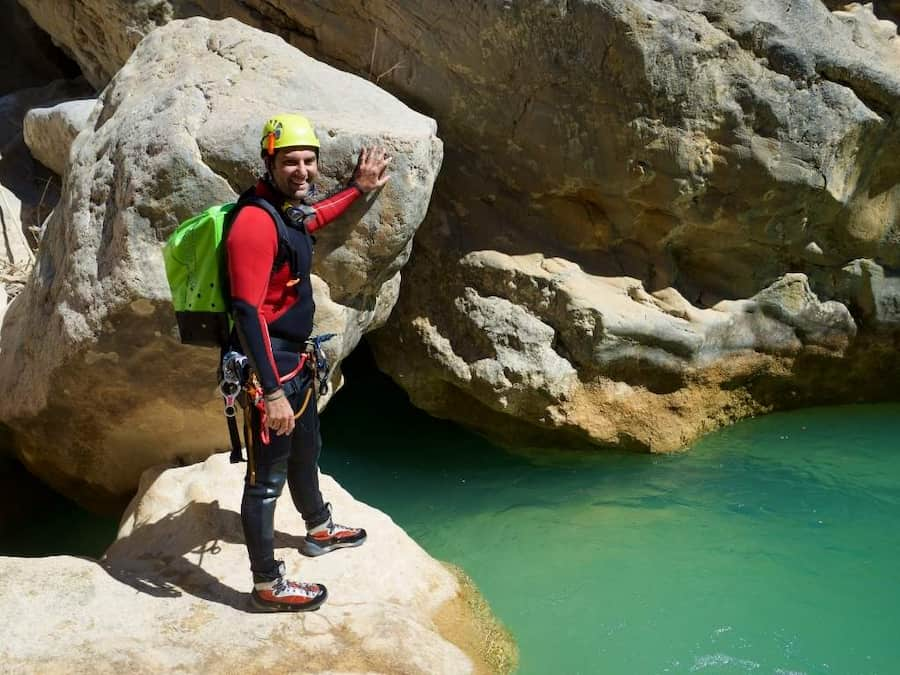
column 771, row 547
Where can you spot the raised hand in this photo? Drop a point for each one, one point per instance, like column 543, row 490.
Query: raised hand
column 371, row 168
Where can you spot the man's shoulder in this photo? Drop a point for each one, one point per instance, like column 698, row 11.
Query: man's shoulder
column 254, row 210
column 253, row 221
column 256, row 202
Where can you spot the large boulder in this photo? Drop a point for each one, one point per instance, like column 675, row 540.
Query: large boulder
column 704, row 143
column 103, row 389
column 705, row 148
column 171, row 595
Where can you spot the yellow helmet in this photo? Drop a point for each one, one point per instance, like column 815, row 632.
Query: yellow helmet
column 285, row 131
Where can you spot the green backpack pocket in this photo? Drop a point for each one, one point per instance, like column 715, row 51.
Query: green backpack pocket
column 194, row 256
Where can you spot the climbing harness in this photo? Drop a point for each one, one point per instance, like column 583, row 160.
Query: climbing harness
column 238, row 384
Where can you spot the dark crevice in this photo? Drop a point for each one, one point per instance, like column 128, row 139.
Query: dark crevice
column 218, row 51
column 529, row 99
column 865, row 92
column 559, row 346
column 29, row 56
column 277, row 21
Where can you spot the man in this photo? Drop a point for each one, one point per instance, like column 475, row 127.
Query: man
column 272, row 306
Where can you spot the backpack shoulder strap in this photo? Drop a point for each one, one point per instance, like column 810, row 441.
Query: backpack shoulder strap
column 250, row 198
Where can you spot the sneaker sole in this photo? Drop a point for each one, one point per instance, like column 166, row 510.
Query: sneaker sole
column 269, row 607
column 312, row 550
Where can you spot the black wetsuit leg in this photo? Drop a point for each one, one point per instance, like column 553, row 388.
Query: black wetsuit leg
column 270, row 464
column 294, row 458
column 303, row 464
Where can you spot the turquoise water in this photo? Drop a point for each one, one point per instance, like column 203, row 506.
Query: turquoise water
column 771, row 547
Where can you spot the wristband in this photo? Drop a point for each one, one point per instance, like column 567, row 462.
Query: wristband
column 274, row 395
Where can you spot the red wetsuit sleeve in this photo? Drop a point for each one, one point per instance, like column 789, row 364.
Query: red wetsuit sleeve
column 332, row 207
column 251, row 247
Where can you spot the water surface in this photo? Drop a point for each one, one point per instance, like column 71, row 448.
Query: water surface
column 770, row 547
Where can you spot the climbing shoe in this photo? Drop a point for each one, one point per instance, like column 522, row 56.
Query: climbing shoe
column 283, row 595
column 329, row 536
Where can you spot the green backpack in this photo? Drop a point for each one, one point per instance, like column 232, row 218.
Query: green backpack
column 198, row 273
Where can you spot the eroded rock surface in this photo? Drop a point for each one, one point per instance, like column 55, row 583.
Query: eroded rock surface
column 703, row 143
column 704, row 148
column 540, row 341
column 102, row 387
column 171, row 594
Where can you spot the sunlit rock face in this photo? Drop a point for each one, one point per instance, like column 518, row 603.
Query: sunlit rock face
column 172, row 594
column 103, row 389
column 704, row 150
column 50, row 131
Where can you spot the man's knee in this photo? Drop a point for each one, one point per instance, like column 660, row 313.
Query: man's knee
column 268, row 481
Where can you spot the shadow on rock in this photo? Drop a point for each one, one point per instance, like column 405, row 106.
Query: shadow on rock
column 188, row 551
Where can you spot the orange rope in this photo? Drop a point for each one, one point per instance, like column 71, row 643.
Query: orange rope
column 305, row 401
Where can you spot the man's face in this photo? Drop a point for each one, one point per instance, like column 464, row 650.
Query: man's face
column 293, row 172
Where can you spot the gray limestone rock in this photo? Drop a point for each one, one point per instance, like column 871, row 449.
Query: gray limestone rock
column 102, row 387
column 872, row 293
column 49, row 132
column 698, row 149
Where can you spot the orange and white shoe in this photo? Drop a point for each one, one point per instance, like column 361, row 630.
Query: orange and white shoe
column 283, row 595
column 330, row 536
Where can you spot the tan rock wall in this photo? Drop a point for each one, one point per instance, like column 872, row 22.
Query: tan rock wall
column 634, row 130
column 704, row 148
column 103, row 389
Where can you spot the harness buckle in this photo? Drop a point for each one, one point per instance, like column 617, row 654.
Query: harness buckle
column 234, row 374
column 320, row 359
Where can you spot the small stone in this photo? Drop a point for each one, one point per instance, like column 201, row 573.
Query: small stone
column 814, row 249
